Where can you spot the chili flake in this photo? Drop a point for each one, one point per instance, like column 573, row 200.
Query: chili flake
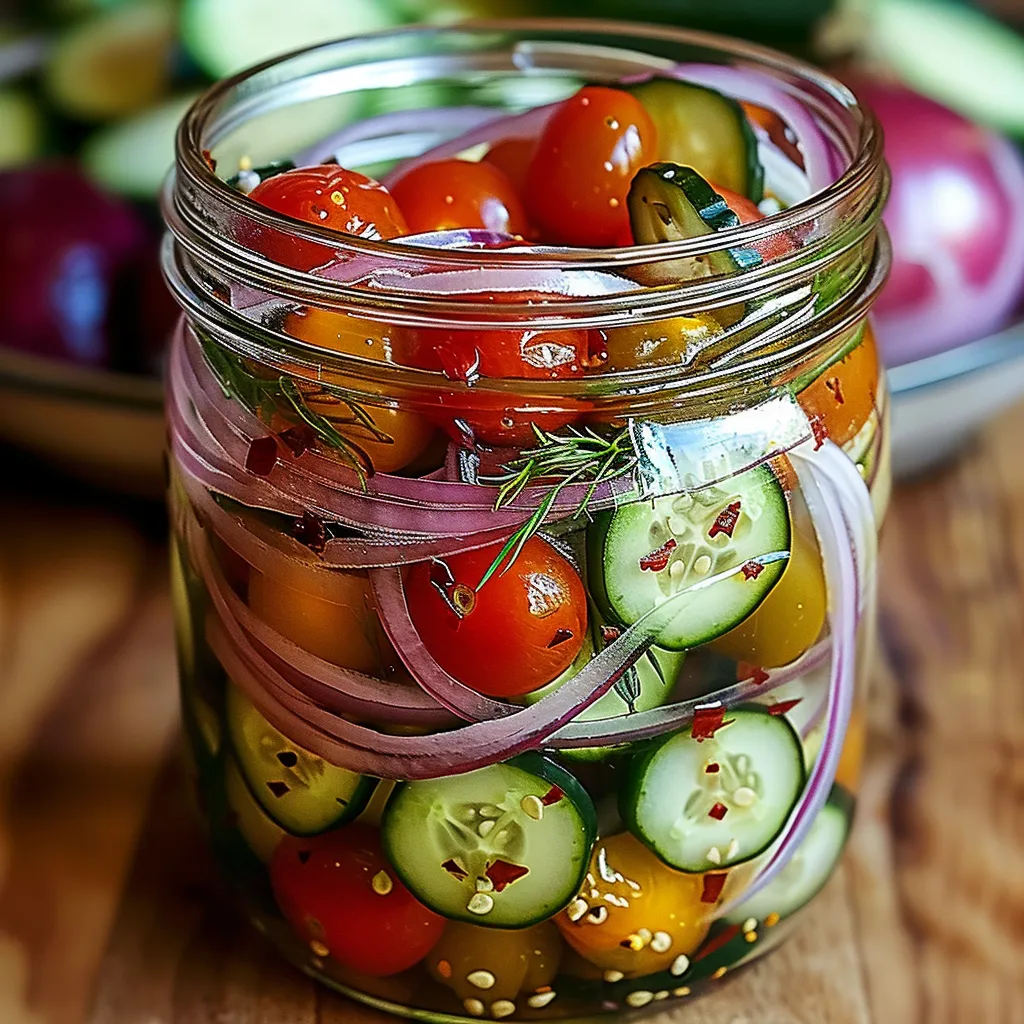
column 262, row 456
column 751, row 570
column 657, row 560
column 727, row 520
column 552, row 796
column 714, row 883
column 782, row 706
column 745, row 672
column 835, row 385
column 503, row 874
column 610, row 633
column 819, row 430
column 209, row 160
column 707, row 721
column 713, row 768
column 718, row 812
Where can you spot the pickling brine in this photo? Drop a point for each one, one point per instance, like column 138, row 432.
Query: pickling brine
column 524, row 530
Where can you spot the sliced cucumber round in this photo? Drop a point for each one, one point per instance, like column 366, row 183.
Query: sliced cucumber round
column 700, row 128
column 808, row 870
column 258, row 829
column 303, row 793
column 709, row 804
column 645, row 553
column 505, row 846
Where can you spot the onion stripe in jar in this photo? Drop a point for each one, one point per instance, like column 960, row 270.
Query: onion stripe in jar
column 525, row 466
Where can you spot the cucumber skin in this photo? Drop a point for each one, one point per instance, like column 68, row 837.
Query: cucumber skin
column 629, row 794
column 536, row 764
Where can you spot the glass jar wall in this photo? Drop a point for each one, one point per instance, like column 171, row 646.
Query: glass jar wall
column 524, row 591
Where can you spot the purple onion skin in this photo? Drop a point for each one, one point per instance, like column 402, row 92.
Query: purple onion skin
column 71, row 256
column 956, row 217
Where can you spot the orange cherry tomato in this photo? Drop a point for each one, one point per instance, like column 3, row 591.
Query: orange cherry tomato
column 514, row 634
column 447, row 194
column 332, row 197
column 771, row 248
column 398, row 436
column 341, row 896
column 843, row 398
column 678, row 340
column 634, row 915
column 512, row 157
column 586, row 157
column 851, row 759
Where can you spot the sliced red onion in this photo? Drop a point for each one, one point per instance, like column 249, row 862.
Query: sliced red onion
column 755, row 87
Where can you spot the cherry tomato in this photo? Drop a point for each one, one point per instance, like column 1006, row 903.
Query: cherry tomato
column 520, row 353
column 519, row 631
column 459, row 194
column 331, row 197
column 327, row 612
column 791, row 617
column 492, row 966
column 405, row 434
column 512, row 157
column 586, row 157
column 341, row 896
column 771, row 248
column 634, row 915
column 843, row 398
column 676, row 341
column 851, row 760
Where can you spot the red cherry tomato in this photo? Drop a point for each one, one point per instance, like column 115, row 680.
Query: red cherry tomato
column 331, row 197
column 512, row 157
column 459, row 194
column 586, row 157
column 519, row 353
column 339, row 894
column 746, row 210
column 516, row 633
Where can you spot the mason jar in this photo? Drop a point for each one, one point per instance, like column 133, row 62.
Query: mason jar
column 524, row 687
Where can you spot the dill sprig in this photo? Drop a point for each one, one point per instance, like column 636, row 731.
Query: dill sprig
column 577, row 456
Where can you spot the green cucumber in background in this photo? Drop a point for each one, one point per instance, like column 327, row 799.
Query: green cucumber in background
column 21, row 139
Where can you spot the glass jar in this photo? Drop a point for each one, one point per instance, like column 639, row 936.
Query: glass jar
column 523, row 685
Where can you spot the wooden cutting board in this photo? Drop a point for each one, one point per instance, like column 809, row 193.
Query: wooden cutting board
column 109, row 909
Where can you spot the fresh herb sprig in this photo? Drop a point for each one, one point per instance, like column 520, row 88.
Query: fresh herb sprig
column 578, row 456
column 263, row 396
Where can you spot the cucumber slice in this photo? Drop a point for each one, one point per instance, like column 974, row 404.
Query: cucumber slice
column 133, row 157
column 258, row 829
column 505, row 846
column 645, row 686
column 808, row 870
column 225, row 36
column 642, row 554
column 115, row 63
column 22, row 137
column 302, row 793
column 696, row 819
column 700, row 128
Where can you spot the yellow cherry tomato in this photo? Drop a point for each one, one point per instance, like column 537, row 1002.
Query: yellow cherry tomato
column 843, row 398
column 676, row 341
column 851, row 760
column 397, row 437
column 634, row 915
column 494, row 970
column 791, row 617
column 326, row 612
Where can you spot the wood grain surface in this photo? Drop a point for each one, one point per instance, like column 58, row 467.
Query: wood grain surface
column 110, row 911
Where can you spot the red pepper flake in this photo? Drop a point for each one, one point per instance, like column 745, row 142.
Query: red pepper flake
column 209, row 161
column 707, row 721
column 552, row 796
column 835, row 385
column 713, row 768
column 713, row 885
column 713, row 945
column 298, row 439
column 819, row 430
column 503, row 874
column 262, row 456
column 454, row 870
column 718, row 812
column 610, row 633
column 656, row 561
column 560, row 637
column 310, row 530
column 745, row 672
column 727, row 520
column 782, row 706
column 751, row 570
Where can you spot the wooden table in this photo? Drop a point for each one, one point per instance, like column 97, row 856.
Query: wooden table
column 109, row 911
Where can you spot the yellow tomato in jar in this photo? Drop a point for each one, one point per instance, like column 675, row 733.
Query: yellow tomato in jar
column 791, row 617
column 397, row 437
column 677, row 341
column 496, row 971
column 326, row 612
column 851, row 759
column 634, row 915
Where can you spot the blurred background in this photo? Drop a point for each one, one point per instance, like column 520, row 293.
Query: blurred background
column 90, row 813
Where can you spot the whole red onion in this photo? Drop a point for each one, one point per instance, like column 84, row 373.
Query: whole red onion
column 956, row 216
